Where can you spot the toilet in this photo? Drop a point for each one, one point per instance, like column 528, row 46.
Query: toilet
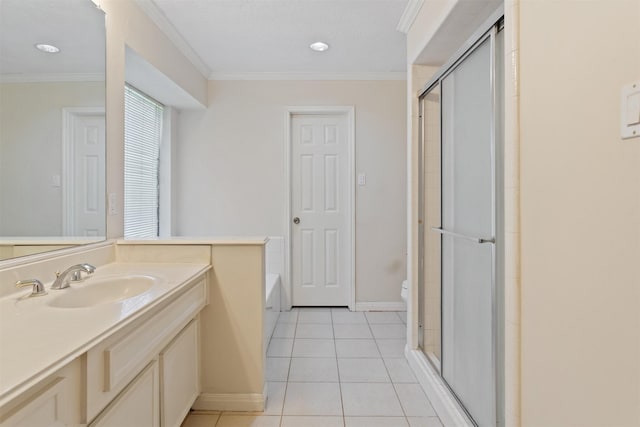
column 404, row 291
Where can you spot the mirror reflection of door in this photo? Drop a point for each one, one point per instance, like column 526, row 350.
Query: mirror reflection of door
column 84, row 172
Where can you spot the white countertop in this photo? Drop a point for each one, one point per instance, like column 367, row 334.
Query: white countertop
column 36, row 339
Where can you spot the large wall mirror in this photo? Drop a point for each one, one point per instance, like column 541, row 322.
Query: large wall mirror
column 52, row 125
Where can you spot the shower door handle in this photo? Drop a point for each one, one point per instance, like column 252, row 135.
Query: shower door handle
column 463, row 236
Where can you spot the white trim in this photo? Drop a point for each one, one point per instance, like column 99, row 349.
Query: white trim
column 349, row 112
column 158, row 17
column 47, row 78
column 409, row 15
column 381, row 306
column 393, row 75
column 69, row 115
column 245, row 402
column 446, row 406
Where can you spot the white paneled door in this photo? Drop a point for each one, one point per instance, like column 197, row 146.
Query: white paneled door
column 320, row 251
column 85, row 197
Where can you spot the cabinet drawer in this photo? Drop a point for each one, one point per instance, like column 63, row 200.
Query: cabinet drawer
column 137, row 406
column 112, row 364
column 179, row 381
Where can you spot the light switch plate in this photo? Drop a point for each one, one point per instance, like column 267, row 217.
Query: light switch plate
column 630, row 111
column 112, row 202
column 362, row 179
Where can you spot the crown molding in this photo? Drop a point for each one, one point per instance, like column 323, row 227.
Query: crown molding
column 158, row 17
column 51, row 78
column 400, row 75
column 409, row 15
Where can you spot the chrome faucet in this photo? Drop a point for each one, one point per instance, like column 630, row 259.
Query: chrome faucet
column 72, row 274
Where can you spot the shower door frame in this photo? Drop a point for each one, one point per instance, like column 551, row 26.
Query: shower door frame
column 488, row 30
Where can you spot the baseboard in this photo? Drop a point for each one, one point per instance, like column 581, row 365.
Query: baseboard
column 445, row 405
column 241, row 402
column 381, row 306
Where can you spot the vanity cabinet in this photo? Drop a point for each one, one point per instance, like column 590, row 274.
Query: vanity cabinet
column 143, row 374
column 168, row 341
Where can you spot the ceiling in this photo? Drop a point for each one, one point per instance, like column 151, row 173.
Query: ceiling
column 77, row 29
column 228, row 37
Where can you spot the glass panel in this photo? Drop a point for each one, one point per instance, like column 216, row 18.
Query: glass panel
column 430, row 215
column 467, row 208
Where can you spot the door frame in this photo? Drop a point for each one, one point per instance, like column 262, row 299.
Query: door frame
column 349, row 113
column 69, row 115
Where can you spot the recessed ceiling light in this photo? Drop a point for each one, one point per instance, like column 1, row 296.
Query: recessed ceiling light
column 48, row 48
column 319, row 46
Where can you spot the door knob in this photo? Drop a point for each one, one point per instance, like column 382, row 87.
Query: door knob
column 296, row 220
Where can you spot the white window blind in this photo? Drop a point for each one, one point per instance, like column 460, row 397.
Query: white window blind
column 142, row 136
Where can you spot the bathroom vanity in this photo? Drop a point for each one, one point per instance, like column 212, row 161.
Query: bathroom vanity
column 140, row 341
column 110, row 363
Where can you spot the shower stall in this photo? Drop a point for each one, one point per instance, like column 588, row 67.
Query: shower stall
column 460, row 242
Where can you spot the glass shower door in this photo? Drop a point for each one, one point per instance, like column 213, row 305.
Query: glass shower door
column 468, row 230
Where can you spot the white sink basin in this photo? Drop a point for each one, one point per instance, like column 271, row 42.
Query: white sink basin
column 103, row 290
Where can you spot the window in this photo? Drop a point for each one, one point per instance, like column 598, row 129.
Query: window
column 142, row 136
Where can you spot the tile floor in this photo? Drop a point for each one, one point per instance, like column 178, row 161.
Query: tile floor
column 335, row 368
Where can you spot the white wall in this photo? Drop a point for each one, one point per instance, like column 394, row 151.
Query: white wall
column 580, row 204
column 31, row 152
column 230, row 163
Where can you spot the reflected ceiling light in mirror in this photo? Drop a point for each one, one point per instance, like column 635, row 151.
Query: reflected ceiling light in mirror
column 47, row 48
column 319, row 46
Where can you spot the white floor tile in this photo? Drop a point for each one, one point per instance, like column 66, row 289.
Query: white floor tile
column 284, row 330
column 275, row 398
column 375, row 422
column 312, row 399
column 288, row 317
column 363, row 371
column 313, row 369
column 399, row 370
column 414, row 402
column 314, row 348
column 392, row 347
column 424, row 422
column 311, row 421
column 348, row 317
column 314, row 330
column 382, row 331
column 352, row 331
column 370, row 400
column 200, row 420
column 234, row 420
column 382, row 317
column 280, row 347
column 277, row 368
column 314, row 316
column 357, row 348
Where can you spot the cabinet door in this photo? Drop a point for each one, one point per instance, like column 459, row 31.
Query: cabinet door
column 44, row 409
column 137, row 405
column 179, row 376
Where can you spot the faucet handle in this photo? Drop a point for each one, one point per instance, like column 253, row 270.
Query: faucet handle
column 38, row 287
